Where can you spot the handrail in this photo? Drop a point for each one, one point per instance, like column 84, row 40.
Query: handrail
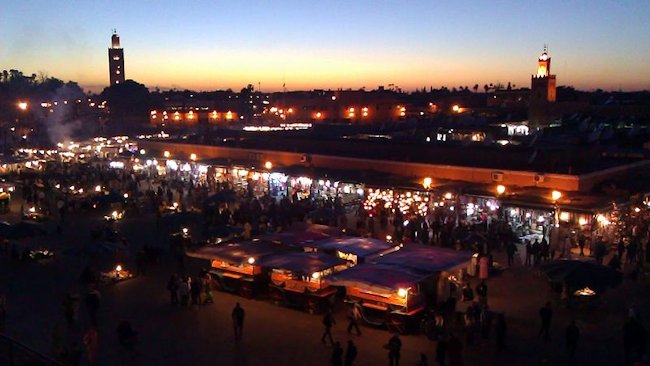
column 31, row 353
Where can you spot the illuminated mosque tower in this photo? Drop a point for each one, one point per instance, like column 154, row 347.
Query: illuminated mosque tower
column 115, row 60
column 542, row 91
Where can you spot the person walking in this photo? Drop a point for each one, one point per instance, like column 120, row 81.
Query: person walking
column 337, row 355
column 172, row 287
column 482, row 292
column 572, row 336
column 529, row 253
column 545, row 314
column 350, row 353
column 328, row 322
column 394, row 347
column 354, row 316
column 238, row 314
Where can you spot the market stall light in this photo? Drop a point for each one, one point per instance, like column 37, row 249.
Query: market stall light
column 193, row 156
column 126, row 195
column 98, row 188
column 556, row 195
column 118, row 268
column 314, row 275
column 637, row 210
column 251, row 260
column 167, row 154
column 501, row 189
column 268, row 165
column 143, row 151
column 585, row 292
column 582, row 221
column 448, row 196
column 564, row 216
column 402, row 292
column 389, row 238
column 185, row 231
column 426, row 182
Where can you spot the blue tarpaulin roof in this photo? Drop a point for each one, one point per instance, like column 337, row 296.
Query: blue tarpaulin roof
column 301, row 262
column 237, row 252
column 377, row 277
column 361, row 247
column 425, row 258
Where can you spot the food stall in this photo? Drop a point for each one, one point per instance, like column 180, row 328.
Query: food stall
column 386, row 295
column 298, row 279
column 353, row 249
column 235, row 266
column 445, row 266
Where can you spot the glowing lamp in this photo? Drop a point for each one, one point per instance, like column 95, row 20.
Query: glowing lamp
column 193, row 156
column 637, row 210
column 251, row 260
column 448, row 195
column 426, row 183
column 126, row 195
column 455, row 108
column 268, row 165
column 118, row 268
column 556, row 195
column 185, row 230
column 389, row 238
column 166, row 154
column 22, row 106
column 582, row 221
column 98, row 188
column 315, row 275
column 564, row 216
column 402, row 292
column 501, row 189
column 143, row 151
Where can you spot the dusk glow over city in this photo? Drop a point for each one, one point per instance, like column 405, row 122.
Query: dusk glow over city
column 207, row 45
column 325, row 183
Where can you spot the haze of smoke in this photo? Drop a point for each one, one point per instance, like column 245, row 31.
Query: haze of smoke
column 60, row 125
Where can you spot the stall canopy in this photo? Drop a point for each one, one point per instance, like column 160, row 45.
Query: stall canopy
column 377, row 277
column 237, row 252
column 295, row 238
column 361, row 247
column 301, row 262
column 426, row 258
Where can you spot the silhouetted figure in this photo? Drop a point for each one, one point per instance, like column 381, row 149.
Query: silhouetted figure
column 337, row 355
column 545, row 314
column 354, row 316
column 394, row 347
column 238, row 321
column 350, row 354
column 328, row 322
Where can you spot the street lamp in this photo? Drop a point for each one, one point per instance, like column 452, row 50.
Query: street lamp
column 22, row 106
column 501, row 189
column 556, row 195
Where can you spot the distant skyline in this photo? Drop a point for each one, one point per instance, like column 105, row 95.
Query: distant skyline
column 209, row 45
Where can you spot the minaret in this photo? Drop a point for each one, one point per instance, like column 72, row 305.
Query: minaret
column 543, row 83
column 542, row 92
column 115, row 60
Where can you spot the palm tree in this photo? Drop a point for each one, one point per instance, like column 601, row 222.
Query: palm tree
column 486, row 88
column 475, row 88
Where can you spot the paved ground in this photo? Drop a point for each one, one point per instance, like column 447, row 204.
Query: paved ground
column 275, row 335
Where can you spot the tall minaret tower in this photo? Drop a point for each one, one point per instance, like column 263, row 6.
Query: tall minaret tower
column 542, row 92
column 115, row 60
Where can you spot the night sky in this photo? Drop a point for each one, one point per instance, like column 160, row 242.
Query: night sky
column 209, row 45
